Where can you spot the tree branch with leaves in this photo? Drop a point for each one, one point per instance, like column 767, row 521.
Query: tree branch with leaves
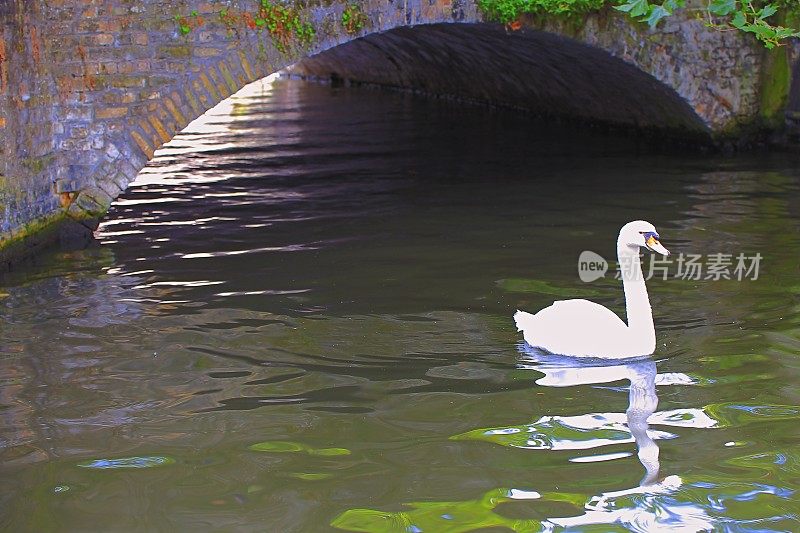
column 743, row 15
column 749, row 16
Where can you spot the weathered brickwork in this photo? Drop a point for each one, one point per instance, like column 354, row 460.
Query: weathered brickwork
column 89, row 89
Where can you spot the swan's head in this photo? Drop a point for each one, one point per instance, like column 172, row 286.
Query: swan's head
column 640, row 233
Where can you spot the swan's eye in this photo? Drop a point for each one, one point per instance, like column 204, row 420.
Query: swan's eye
column 650, row 238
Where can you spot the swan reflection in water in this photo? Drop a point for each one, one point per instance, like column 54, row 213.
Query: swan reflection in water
column 562, row 371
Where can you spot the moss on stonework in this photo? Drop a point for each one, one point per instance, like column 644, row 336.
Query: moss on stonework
column 35, row 165
column 176, row 51
column 286, row 23
column 29, row 238
column 776, row 76
column 353, row 19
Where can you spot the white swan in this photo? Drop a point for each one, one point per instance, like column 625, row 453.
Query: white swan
column 582, row 328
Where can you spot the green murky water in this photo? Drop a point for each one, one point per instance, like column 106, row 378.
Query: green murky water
column 299, row 319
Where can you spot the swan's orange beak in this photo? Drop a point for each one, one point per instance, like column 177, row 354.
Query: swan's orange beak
column 654, row 244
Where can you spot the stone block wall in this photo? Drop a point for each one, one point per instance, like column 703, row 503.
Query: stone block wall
column 27, row 123
column 89, row 89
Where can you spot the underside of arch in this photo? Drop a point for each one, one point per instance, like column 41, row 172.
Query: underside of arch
column 537, row 71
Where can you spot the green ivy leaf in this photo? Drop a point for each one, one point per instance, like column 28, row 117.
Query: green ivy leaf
column 785, row 33
column 739, row 20
column 765, row 33
column 636, row 8
column 768, row 11
column 672, row 5
column 722, row 7
column 656, row 14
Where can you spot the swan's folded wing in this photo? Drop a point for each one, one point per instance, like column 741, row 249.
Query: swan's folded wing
column 584, row 312
column 570, row 325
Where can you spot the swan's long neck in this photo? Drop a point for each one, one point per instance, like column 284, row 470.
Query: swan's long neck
column 637, row 303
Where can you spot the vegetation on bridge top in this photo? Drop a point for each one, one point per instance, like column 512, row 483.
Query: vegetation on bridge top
column 755, row 17
column 285, row 23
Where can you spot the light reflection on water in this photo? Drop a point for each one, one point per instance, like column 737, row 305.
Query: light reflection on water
column 299, row 318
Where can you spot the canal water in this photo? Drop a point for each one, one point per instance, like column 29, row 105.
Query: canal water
column 298, row 318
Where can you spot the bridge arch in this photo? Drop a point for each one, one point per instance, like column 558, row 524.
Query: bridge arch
column 122, row 78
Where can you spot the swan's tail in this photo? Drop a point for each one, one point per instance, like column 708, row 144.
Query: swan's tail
column 529, row 326
column 522, row 320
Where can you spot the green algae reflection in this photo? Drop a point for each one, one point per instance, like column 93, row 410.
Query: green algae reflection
column 731, row 414
column 282, row 446
column 442, row 517
column 311, row 476
column 778, row 463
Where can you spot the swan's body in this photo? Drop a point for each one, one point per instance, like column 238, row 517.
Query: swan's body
column 578, row 328
column 585, row 329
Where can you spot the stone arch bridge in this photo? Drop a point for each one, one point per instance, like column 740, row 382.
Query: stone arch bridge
column 90, row 88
